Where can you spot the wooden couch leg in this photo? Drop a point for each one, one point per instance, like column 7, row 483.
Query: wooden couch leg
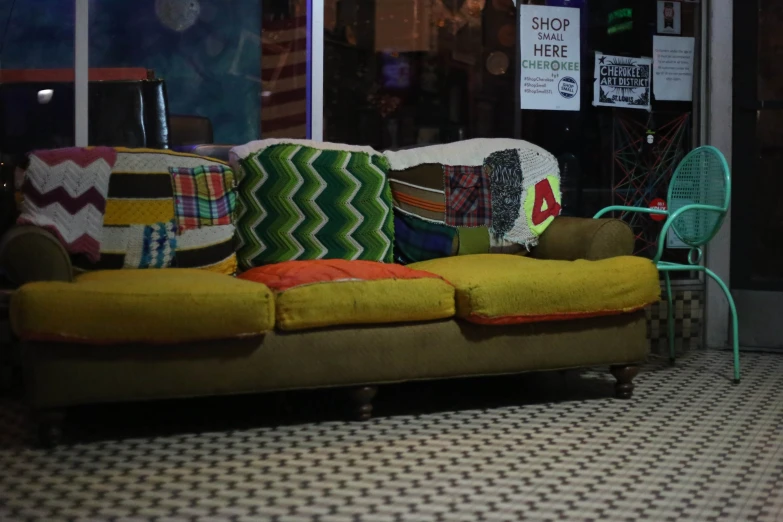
column 49, row 427
column 623, row 389
column 361, row 402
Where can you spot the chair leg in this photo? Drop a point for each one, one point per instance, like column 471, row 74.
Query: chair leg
column 670, row 315
column 734, row 322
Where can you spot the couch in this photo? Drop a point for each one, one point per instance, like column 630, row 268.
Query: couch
column 136, row 335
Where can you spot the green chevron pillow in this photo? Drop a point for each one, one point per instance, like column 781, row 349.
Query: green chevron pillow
column 304, row 200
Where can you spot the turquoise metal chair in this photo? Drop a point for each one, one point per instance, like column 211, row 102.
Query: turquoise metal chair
column 698, row 200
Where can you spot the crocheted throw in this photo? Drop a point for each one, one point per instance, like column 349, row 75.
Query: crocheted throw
column 312, row 201
column 418, row 239
column 133, row 208
column 168, row 209
column 65, row 192
column 510, row 189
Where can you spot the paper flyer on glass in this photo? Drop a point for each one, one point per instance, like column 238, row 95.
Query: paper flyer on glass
column 622, row 81
column 673, row 68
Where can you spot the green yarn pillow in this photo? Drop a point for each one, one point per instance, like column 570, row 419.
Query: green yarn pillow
column 304, row 200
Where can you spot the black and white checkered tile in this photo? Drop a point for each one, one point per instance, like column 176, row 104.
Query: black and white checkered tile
column 689, row 446
column 688, row 314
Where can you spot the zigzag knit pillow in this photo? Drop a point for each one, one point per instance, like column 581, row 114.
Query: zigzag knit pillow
column 301, row 200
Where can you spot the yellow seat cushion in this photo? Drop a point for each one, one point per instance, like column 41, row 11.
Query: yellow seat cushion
column 142, row 306
column 505, row 289
column 332, row 292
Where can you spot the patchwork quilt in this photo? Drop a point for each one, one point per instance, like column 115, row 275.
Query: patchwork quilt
column 418, row 239
column 137, row 208
column 495, row 195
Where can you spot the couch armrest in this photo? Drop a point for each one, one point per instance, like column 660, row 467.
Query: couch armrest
column 29, row 253
column 569, row 238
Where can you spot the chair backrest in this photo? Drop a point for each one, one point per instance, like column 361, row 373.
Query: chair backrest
column 121, row 113
column 701, row 178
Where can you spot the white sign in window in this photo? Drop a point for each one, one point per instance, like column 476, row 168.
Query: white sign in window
column 673, row 68
column 550, row 58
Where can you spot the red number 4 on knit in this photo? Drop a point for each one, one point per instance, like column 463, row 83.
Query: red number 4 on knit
column 545, row 205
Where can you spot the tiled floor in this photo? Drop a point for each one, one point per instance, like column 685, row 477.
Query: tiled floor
column 689, row 446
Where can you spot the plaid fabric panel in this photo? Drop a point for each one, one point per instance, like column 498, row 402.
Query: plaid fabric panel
column 418, row 240
column 468, row 197
column 204, row 196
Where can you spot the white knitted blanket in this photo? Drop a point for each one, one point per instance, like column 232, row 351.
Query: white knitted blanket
column 467, row 153
column 65, row 192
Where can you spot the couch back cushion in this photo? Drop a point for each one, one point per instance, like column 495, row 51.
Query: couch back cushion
column 471, row 197
column 146, row 208
column 303, row 200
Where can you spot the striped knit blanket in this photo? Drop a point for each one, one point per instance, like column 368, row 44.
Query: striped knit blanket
column 65, row 193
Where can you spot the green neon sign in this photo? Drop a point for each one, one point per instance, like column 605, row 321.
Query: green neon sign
column 620, row 28
column 620, row 21
column 620, row 15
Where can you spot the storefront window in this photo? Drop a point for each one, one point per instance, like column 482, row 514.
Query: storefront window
column 207, row 53
column 396, row 74
column 400, row 73
column 284, row 69
column 620, row 155
column 36, row 75
column 36, row 87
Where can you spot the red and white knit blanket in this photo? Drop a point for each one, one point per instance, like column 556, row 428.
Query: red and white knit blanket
column 65, row 192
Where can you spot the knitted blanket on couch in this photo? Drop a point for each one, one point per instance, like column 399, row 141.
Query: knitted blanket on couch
column 65, row 193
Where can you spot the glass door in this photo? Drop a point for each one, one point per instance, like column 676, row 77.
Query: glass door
column 757, row 216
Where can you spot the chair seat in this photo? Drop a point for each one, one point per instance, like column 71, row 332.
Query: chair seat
column 320, row 293
column 506, row 289
column 142, row 306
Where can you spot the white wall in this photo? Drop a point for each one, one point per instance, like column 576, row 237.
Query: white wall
column 720, row 17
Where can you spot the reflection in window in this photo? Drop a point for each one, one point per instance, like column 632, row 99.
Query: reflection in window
column 400, row 73
column 284, row 69
column 206, row 52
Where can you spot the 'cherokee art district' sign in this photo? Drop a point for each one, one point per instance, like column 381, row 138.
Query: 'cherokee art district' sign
column 549, row 50
column 621, row 81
